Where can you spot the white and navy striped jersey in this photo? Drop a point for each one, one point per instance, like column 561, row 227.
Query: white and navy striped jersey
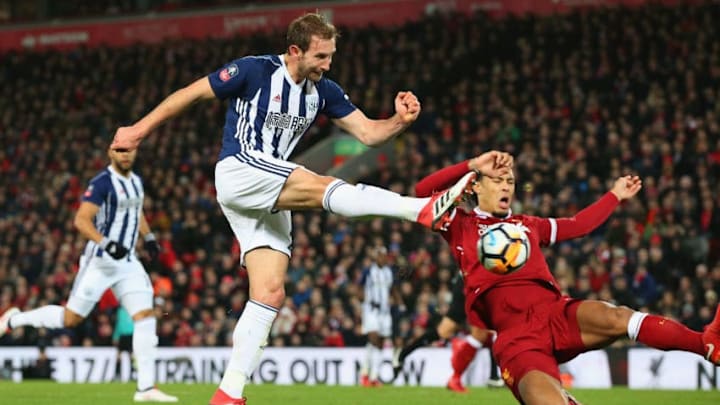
column 378, row 282
column 267, row 111
column 121, row 201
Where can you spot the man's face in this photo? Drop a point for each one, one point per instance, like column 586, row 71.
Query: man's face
column 122, row 159
column 495, row 193
column 317, row 59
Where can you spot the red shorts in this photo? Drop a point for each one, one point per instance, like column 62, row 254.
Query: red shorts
column 537, row 329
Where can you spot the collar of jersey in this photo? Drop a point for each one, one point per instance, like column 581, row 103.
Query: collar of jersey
column 287, row 74
column 482, row 213
column 113, row 171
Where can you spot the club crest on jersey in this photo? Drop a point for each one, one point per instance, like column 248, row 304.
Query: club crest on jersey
column 313, row 104
column 228, row 73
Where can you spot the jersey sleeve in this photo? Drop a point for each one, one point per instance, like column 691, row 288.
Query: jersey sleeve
column 584, row 222
column 97, row 190
column 336, row 104
column 231, row 79
column 546, row 229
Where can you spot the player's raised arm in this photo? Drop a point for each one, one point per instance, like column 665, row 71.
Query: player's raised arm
column 130, row 137
column 374, row 132
column 595, row 214
column 493, row 163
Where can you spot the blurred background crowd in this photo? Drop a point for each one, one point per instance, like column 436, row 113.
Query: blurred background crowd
column 24, row 11
column 579, row 99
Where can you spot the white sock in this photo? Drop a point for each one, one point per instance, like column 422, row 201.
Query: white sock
column 249, row 340
column 49, row 316
column 376, row 355
column 473, row 342
column 145, row 343
column 365, row 370
column 634, row 324
column 363, row 200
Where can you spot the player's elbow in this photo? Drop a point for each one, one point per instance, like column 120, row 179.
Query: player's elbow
column 81, row 222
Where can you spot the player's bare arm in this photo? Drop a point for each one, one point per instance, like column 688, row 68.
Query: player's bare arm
column 130, row 137
column 84, row 221
column 144, row 226
column 150, row 243
column 84, row 224
column 375, row 132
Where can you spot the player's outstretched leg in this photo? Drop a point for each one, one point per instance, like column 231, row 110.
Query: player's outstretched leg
column 362, row 200
column 711, row 339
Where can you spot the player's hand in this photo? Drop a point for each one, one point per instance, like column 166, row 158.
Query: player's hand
column 626, row 187
column 152, row 247
column 114, row 249
column 407, row 107
column 493, row 163
column 127, row 138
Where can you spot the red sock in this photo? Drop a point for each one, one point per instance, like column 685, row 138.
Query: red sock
column 463, row 354
column 666, row 334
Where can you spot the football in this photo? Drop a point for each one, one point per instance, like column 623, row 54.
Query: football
column 503, row 248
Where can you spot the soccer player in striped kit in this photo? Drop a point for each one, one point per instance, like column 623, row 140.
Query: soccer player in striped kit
column 272, row 101
column 378, row 283
column 111, row 217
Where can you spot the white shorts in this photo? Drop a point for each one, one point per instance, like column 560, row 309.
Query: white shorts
column 373, row 321
column 97, row 274
column 248, row 185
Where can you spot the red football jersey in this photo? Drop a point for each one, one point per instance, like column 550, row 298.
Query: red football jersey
column 465, row 231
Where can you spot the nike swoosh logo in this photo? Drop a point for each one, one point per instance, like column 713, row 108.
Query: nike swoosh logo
column 710, row 350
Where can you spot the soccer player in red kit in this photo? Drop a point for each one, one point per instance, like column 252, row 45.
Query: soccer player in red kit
column 537, row 327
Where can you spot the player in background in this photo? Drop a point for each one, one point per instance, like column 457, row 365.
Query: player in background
column 378, row 281
column 272, row 101
column 111, row 217
column 537, row 326
column 463, row 349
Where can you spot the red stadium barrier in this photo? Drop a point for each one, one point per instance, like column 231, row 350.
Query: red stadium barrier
column 231, row 22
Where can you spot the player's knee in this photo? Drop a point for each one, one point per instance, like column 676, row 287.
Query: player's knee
column 71, row 319
column 618, row 318
column 270, row 294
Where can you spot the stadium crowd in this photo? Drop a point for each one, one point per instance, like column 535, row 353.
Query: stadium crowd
column 578, row 99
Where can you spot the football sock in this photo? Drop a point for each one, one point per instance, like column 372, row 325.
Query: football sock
column 249, row 340
column 376, row 355
column 49, row 316
column 494, row 372
column 463, row 354
column 664, row 334
column 145, row 343
column 362, row 200
column 473, row 342
column 365, row 370
column 424, row 340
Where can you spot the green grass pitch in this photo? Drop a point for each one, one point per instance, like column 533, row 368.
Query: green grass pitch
column 112, row 394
